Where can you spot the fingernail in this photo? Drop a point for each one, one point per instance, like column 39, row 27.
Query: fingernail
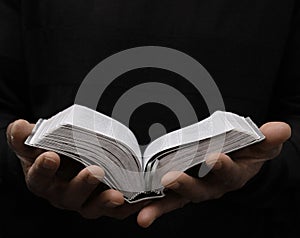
column 151, row 222
column 169, row 180
column 49, row 163
column 91, row 179
column 96, row 174
column 213, row 164
column 111, row 204
column 217, row 165
column 174, row 185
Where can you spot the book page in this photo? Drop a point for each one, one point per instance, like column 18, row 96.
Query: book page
column 93, row 138
column 77, row 125
column 212, row 126
column 88, row 119
column 233, row 132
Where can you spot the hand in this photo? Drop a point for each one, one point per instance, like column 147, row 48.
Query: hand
column 228, row 173
column 64, row 182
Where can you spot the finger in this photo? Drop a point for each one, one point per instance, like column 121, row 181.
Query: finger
column 211, row 163
column 99, row 205
column 125, row 210
column 188, row 186
column 81, row 186
column 157, row 208
column 276, row 133
column 17, row 132
column 41, row 175
column 229, row 176
column 226, row 176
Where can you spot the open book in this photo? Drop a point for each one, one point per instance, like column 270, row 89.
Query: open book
column 93, row 138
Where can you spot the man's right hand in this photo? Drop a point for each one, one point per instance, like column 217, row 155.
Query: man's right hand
column 64, row 182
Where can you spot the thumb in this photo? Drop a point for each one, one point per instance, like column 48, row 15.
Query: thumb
column 276, row 133
column 16, row 134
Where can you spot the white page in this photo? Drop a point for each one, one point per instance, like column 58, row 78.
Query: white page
column 97, row 122
column 214, row 125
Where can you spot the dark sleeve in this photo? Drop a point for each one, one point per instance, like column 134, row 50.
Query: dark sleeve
column 277, row 185
column 285, row 106
column 13, row 86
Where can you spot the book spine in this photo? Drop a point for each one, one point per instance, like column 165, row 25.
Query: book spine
column 30, row 138
column 255, row 128
column 150, row 172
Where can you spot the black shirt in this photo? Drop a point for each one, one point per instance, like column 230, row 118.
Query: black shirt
column 251, row 49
